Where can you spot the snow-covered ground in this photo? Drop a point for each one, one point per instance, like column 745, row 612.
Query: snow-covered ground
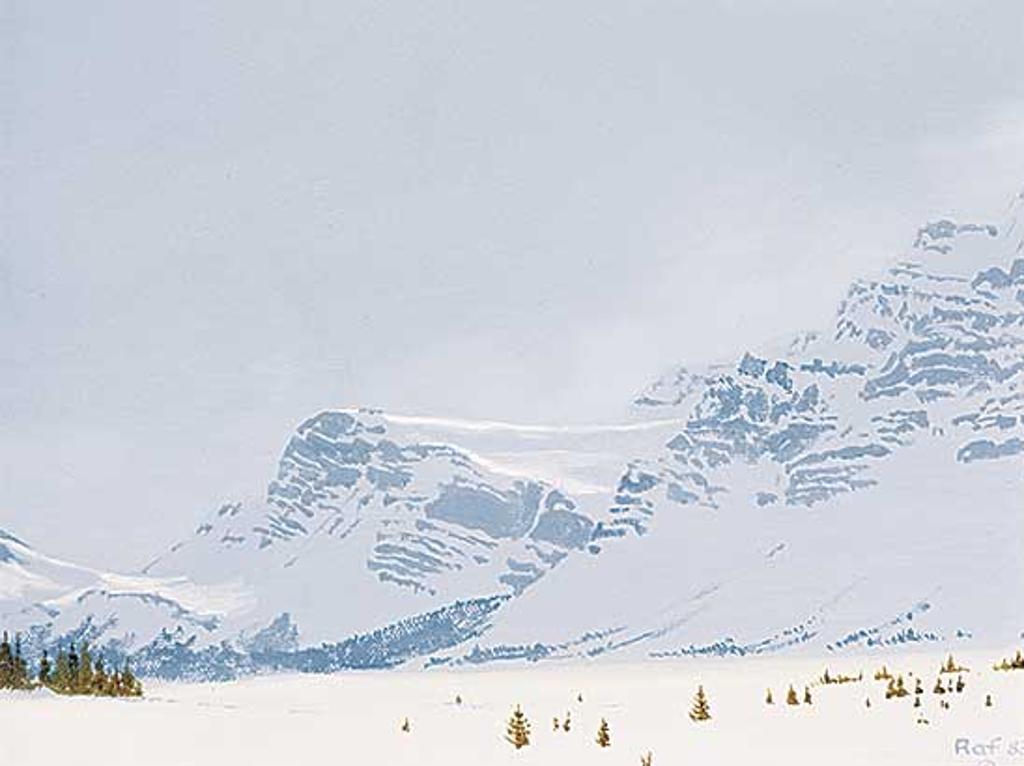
column 355, row 718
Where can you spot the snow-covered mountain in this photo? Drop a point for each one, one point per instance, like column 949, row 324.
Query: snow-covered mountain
column 859, row 487
column 381, row 516
column 50, row 598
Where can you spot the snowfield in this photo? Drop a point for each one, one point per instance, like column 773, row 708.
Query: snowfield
column 356, row 717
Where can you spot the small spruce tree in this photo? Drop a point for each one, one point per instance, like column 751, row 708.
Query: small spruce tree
column 517, row 730
column 604, row 737
column 700, row 710
column 791, row 698
column 768, row 698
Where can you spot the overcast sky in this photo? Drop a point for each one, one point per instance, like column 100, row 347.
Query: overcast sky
column 220, row 218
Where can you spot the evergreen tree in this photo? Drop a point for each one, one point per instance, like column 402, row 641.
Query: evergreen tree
column 768, row 698
column 566, row 724
column 131, row 685
column 83, row 679
column 604, row 738
column 61, row 681
column 807, row 695
column 44, row 669
column 700, row 710
column 100, row 681
column 406, row 728
column 20, row 666
column 72, row 669
column 791, row 698
column 646, row 760
column 988, row 700
column 6, row 664
column 517, row 730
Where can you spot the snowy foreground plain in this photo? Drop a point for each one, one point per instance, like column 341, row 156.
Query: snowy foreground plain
column 356, row 717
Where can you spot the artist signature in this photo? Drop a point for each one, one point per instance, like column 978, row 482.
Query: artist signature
column 990, row 752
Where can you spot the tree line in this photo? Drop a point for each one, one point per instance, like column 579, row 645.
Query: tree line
column 70, row 672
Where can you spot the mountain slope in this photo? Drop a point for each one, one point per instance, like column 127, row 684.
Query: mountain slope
column 862, row 488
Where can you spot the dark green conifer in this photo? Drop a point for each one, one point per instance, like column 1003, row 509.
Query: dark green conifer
column 44, row 669
column 6, row 664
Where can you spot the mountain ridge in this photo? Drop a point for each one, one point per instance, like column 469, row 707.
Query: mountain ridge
column 706, row 524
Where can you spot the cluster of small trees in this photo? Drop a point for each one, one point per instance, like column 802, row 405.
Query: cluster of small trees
column 792, row 698
column 518, row 730
column 1017, row 663
column 951, row 666
column 74, row 672
column 896, row 688
column 827, row 678
column 13, row 668
column 71, row 672
column 949, row 687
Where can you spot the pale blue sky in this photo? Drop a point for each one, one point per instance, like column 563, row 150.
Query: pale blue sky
column 221, row 218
